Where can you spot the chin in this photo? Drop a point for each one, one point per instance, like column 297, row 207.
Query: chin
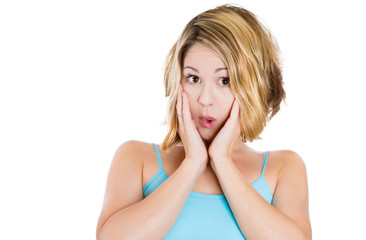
column 207, row 134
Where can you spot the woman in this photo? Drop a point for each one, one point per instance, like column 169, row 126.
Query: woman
column 224, row 83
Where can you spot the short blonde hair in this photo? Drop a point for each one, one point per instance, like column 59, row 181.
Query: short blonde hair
column 252, row 57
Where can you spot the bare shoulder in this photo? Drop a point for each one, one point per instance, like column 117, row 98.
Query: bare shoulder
column 124, row 179
column 288, row 161
column 133, row 150
column 132, row 156
column 291, row 193
column 291, row 183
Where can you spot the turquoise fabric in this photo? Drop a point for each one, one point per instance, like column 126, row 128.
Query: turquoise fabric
column 205, row 216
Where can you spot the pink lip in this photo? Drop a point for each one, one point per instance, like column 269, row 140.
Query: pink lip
column 207, row 121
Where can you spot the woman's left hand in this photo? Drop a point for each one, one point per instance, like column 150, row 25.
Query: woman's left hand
column 224, row 142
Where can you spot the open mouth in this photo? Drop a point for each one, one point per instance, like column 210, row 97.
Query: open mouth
column 207, row 123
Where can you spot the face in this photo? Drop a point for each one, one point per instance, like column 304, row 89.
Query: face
column 205, row 79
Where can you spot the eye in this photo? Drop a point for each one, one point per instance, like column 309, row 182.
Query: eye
column 193, row 79
column 225, row 81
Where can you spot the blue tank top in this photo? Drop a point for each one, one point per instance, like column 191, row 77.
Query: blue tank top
column 206, row 216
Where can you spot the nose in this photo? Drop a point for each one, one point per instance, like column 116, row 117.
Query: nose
column 206, row 96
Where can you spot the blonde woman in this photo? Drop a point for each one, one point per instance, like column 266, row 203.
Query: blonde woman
column 224, row 83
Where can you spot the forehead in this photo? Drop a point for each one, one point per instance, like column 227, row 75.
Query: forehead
column 199, row 56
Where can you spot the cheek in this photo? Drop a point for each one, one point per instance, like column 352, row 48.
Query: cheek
column 192, row 96
column 227, row 105
column 192, row 103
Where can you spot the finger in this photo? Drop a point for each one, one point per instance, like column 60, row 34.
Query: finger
column 179, row 110
column 234, row 115
column 185, row 111
column 179, row 100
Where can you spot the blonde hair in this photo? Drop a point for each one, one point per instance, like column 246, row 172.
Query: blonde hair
column 252, row 57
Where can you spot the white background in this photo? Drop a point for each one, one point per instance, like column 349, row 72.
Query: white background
column 78, row 78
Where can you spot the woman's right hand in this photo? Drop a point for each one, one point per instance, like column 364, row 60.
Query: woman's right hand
column 194, row 147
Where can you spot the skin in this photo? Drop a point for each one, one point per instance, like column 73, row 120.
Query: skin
column 205, row 81
column 207, row 93
column 211, row 161
column 288, row 217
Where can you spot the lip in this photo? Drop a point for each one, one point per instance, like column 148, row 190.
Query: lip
column 207, row 121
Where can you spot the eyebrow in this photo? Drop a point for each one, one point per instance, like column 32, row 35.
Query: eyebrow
column 217, row 70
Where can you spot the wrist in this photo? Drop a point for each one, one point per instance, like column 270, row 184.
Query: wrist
column 195, row 163
column 220, row 162
column 220, row 159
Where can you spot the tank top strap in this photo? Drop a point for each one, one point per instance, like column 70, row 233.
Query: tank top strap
column 264, row 163
column 158, row 156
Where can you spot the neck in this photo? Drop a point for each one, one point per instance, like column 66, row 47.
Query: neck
column 239, row 145
column 207, row 142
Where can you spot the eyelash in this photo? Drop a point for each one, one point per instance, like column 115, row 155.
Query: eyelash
column 223, row 78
